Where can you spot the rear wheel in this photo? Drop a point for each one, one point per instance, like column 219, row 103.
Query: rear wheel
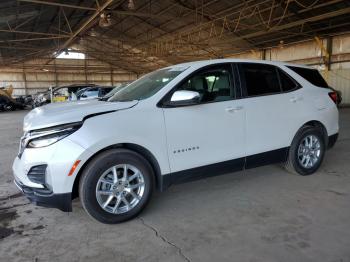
column 306, row 152
column 116, row 186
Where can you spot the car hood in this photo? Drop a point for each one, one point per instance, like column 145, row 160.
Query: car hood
column 69, row 112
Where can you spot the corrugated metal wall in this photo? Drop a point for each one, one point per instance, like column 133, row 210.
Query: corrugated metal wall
column 340, row 80
column 310, row 53
column 28, row 78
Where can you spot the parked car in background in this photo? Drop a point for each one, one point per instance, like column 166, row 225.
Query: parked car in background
column 7, row 102
column 92, row 92
column 41, row 98
column 58, row 94
column 175, row 124
column 25, row 100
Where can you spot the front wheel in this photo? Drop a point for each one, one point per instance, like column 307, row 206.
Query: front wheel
column 116, row 186
column 306, row 152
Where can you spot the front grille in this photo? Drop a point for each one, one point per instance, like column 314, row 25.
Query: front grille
column 29, row 191
column 37, row 174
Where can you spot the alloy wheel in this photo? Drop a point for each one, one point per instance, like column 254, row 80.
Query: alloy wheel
column 309, row 151
column 120, row 188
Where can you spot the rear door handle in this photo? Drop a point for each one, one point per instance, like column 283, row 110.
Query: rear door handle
column 233, row 109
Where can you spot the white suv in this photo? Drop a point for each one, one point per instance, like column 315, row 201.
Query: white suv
column 173, row 125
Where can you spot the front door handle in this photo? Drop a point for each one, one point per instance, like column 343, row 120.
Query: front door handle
column 295, row 99
column 233, row 109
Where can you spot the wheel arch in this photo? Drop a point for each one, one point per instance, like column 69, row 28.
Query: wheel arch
column 134, row 147
column 318, row 124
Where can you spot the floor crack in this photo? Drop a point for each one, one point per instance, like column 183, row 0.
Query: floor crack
column 164, row 239
column 13, row 206
column 11, row 196
column 336, row 192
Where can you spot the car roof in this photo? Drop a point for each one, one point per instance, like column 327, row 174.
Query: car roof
column 202, row 63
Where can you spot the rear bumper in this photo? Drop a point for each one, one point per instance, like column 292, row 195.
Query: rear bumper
column 43, row 198
column 331, row 140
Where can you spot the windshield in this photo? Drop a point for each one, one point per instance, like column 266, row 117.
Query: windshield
column 147, row 85
column 115, row 90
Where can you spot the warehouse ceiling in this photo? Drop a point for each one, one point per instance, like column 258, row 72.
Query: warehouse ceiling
column 142, row 35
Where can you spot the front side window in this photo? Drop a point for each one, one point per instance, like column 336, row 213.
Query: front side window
column 260, row 79
column 148, row 85
column 311, row 75
column 213, row 84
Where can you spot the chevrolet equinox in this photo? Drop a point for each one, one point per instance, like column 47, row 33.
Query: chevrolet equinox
column 173, row 125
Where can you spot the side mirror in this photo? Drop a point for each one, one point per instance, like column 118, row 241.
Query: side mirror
column 184, row 98
column 83, row 96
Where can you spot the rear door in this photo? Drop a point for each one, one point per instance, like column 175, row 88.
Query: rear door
column 270, row 99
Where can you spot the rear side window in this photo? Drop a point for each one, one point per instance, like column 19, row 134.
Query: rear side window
column 260, row 79
column 311, row 75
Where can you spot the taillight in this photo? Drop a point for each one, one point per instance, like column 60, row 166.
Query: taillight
column 333, row 96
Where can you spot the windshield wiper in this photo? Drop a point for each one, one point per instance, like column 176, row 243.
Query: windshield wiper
column 103, row 99
column 124, row 100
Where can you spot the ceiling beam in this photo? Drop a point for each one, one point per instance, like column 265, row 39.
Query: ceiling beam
column 30, row 33
column 32, row 39
column 59, row 4
column 316, row 18
column 24, row 15
column 83, row 27
column 277, row 28
column 118, row 12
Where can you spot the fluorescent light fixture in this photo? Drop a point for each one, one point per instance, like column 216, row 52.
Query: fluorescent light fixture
column 69, row 54
column 131, row 5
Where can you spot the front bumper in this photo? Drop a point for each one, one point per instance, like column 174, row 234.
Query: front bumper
column 54, row 188
column 59, row 159
column 46, row 199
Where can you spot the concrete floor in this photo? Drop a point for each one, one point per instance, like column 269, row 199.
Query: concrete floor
column 263, row 214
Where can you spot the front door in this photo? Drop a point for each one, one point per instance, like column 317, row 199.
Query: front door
column 211, row 132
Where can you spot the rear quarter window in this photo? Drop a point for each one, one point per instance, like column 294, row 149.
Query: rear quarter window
column 287, row 82
column 311, row 75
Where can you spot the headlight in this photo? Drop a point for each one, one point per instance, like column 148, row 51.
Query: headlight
column 46, row 140
column 47, row 136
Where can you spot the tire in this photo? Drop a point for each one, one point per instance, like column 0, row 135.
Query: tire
column 9, row 108
column 93, row 183
column 294, row 163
